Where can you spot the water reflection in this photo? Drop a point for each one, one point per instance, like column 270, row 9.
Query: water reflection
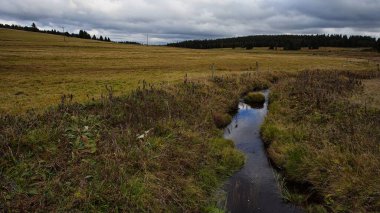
column 254, row 187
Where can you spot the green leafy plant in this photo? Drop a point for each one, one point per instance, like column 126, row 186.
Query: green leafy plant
column 83, row 133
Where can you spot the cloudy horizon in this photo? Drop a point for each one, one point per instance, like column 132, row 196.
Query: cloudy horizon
column 176, row 20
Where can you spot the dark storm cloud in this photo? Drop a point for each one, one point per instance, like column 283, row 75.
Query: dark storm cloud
column 174, row 20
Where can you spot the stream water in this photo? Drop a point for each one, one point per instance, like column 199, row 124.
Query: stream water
column 254, row 188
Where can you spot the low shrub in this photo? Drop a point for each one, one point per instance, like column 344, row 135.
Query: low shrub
column 221, row 120
column 255, row 99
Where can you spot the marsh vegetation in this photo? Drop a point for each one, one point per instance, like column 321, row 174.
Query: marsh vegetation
column 156, row 149
column 322, row 139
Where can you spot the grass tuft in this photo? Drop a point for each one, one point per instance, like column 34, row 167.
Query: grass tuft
column 222, row 120
column 254, row 99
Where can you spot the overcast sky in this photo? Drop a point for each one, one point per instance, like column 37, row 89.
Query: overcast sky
column 176, row 20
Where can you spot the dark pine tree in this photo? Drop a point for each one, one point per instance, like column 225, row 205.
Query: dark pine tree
column 249, row 46
column 34, row 27
column 93, row 37
column 101, row 38
column 292, row 45
column 84, row 34
column 81, row 34
column 313, row 44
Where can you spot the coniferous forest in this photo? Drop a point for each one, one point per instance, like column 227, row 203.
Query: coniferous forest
column 288, row 42
column 33, row 28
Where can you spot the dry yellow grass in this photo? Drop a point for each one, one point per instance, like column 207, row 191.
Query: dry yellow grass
column 371, row 94
column 36, row 69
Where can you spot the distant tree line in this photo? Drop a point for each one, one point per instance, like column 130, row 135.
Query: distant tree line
column 33, row 28
column 288, row 42
column 129, row 42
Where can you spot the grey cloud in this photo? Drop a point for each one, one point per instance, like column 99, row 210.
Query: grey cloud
column 175, row 20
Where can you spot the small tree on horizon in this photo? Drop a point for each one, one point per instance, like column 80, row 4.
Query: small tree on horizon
column 84, row 34
column 34, row 27
column 249, row 46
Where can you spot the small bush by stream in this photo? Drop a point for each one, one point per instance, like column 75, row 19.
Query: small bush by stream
column 254, row 99
column 154, row 150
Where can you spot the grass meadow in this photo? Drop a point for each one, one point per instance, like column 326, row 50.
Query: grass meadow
column 37, row 69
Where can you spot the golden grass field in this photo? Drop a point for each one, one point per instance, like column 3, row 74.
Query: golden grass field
column 37, row 69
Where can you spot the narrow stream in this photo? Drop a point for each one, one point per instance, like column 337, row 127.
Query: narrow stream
column 254, row 188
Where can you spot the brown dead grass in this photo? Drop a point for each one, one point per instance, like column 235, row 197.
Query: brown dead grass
column 371, row 94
